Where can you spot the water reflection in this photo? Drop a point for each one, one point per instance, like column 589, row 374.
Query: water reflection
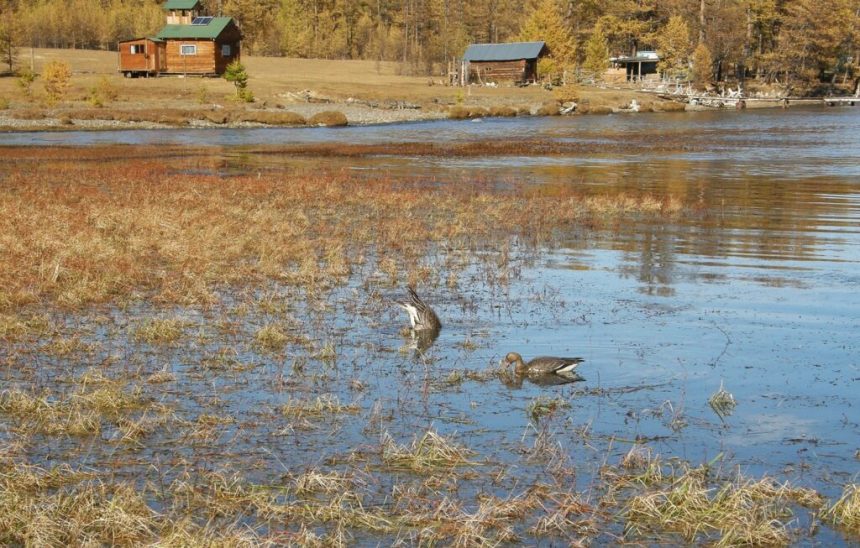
column 515, row 381
column 775, row 189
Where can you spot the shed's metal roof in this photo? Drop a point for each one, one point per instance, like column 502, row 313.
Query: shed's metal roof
column 181, row 4
column 215, row 27
column 504, row 52
column 641, row 56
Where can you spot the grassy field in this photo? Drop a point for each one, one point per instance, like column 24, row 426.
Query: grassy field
column 277, row 81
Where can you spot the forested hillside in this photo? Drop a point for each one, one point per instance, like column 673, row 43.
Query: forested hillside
column 804, row 40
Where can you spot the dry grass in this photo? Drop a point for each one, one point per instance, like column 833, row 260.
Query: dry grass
column 430, row 452
column 460, row 112
column 81, row 414
column 18, row 327
column 741, row 512
column 271, row 338
column 844, row 514
column 160, row 330
column 321, row 408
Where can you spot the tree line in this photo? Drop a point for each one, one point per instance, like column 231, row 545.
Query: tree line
column 775, row 40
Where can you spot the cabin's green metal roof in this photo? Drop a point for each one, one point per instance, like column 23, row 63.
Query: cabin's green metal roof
column 504, row 52
column 181, row 4
column 215, row 27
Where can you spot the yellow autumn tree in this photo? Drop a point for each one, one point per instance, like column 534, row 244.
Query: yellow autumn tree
column 702, row 65
column 546, row 23
column 673, row 45
column 819, row 37
column 56, row 76
column 596, row 53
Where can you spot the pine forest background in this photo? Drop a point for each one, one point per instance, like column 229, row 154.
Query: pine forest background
column 773, row 40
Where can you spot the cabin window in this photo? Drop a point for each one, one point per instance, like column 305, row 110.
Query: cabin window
column 188, row 49
column 226, row 50
column 138, row 49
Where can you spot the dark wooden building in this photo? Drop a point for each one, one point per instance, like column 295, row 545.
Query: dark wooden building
column 639, row 66
column 515, row 62
column 189, row 43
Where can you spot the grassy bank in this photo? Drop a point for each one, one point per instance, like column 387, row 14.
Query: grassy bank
column 287, row 92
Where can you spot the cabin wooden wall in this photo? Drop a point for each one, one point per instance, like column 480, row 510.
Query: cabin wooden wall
column 202, row 63
column 233, row 38
column 495, row 71
column 152, row 60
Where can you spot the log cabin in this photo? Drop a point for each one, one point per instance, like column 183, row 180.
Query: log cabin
column 190, row 43
column 516, row 62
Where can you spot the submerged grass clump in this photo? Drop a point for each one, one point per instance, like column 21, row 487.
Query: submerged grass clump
column 271, row 338
column 431, row 451
column 722, row 402
column 845, row 513
column 160, row 330
column 545, row 405
column 741, row 512
column 321, row 407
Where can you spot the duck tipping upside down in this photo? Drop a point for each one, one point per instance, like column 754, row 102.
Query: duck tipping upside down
column 421, row 316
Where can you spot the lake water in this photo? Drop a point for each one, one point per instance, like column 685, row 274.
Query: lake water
column 760, row 295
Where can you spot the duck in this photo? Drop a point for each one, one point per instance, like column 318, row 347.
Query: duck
column 421, row 316
column 542, row 365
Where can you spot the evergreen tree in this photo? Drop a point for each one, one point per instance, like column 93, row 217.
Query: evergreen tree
column 237, row 74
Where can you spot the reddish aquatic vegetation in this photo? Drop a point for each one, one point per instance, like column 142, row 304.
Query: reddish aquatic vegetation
column 87, row 232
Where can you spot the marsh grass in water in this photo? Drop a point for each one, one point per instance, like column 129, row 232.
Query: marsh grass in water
column 430, row 452
column 728, row 513
column 129, row 240
column 845, row 513
column 722, row 402
column 204, row 355
column 160, row 331
column 545, row 405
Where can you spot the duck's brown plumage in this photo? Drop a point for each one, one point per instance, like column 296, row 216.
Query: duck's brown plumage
column 421, row 316
column 542, row 365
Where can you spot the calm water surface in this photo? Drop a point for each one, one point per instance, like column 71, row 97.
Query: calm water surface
column 760, row 296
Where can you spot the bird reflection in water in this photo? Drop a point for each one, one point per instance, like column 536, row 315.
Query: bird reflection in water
column 514, row 380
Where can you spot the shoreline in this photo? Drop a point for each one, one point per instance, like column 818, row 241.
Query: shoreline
column 356, row 114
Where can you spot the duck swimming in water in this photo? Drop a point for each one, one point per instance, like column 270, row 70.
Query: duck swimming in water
column 543, row 365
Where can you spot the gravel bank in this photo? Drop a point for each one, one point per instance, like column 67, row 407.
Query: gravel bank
column 356, row 114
